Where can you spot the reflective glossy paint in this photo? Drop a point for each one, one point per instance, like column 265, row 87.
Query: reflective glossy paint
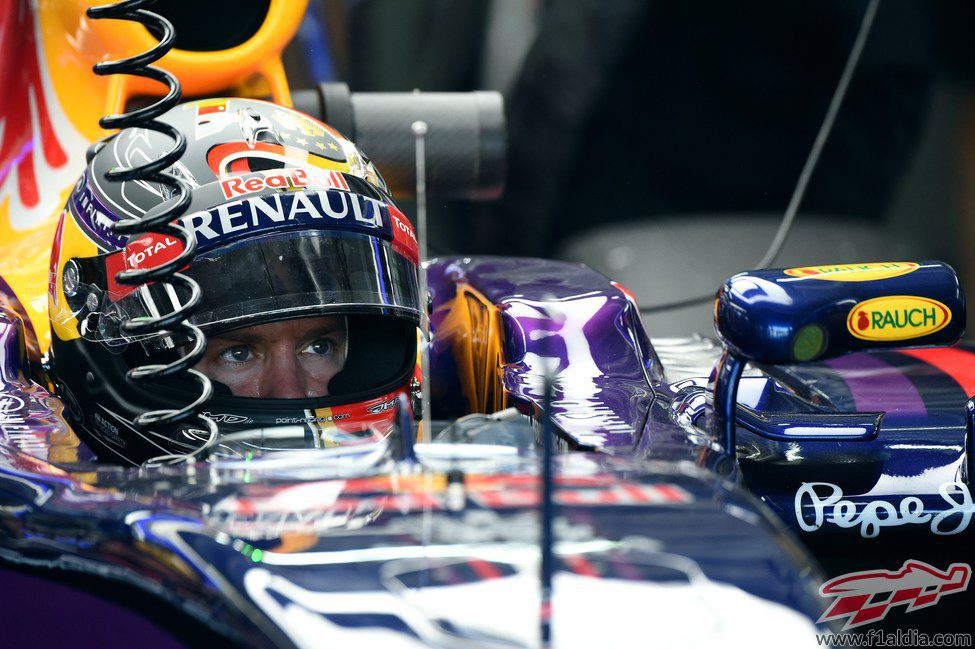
column 775, row 316
column 266, row 557
column 572, row 317
column 660, row 536
column 300, row 548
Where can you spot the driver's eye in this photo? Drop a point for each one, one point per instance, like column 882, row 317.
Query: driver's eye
column 237, row 354
column 321, row 347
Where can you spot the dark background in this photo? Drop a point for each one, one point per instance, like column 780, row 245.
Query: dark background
column 660, row 141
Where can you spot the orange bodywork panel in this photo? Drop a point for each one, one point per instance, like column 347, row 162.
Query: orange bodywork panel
column 472, row 327
column 52, row 101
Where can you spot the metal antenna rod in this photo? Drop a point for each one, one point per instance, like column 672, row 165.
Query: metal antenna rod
column 547, row 536
column 419, row 132
column 456, row 495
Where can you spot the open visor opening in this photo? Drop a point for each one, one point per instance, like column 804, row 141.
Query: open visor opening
column 275, row 276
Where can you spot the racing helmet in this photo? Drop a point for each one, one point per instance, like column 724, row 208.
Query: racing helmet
column 292, row 222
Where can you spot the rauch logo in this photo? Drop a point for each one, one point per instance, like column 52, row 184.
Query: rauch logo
column 897, row 317
column 854, row 272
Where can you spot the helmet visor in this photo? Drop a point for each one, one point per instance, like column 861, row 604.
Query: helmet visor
column 276, row 276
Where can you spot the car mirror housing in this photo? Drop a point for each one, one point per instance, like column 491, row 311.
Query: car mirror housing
column 799, row 315
column 804, row 314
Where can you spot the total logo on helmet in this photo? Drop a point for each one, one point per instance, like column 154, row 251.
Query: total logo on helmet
column 897, row 317
column 288, row 217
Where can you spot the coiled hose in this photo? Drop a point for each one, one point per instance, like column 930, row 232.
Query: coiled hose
column 163, row 223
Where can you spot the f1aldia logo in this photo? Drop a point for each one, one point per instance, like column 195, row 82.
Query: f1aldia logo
column 897, row 317
column 867, row 596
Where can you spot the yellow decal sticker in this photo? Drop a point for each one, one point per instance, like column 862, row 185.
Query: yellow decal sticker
column 855, row 272
column 897, row 317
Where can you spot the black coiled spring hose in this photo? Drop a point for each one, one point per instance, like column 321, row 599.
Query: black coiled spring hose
column 166, row 274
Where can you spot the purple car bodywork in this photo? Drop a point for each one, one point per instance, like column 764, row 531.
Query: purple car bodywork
column 240, row 547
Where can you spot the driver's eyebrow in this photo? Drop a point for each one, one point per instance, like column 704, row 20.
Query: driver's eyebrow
column 251, row 337
column 239, row 337
column 324, row 330
column 328, row 329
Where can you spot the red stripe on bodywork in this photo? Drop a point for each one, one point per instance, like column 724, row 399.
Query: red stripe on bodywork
column 484, row 569
column 581, row 565
column 672, row 494
column 957, row 363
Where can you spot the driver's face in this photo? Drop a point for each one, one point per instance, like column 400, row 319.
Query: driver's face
column 281, row 360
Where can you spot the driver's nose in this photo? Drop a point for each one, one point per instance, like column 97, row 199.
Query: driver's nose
column 283, row 377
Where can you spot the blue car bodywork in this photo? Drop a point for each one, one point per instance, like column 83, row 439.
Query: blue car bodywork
column 662, row 535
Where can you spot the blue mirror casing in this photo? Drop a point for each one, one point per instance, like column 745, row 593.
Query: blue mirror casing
column 816, row 312
column 812, row 313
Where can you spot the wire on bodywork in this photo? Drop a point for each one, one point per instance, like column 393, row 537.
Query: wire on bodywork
column 807, row 170
column 167, row 274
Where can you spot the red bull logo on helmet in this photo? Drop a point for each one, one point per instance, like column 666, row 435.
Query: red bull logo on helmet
column 278, row 179
column 897, row 317
column 282, row 179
